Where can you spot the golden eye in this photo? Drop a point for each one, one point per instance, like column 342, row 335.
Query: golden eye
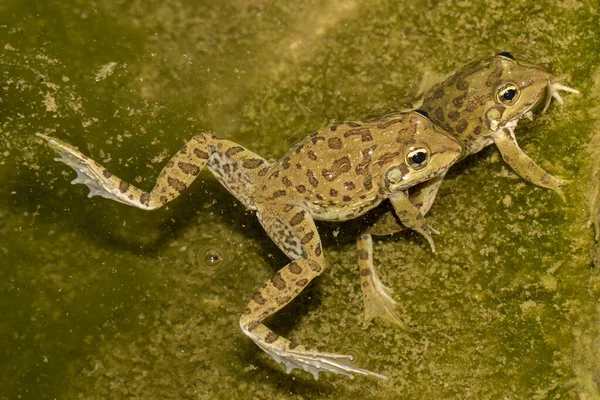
column 508, row 94
column 417, row 158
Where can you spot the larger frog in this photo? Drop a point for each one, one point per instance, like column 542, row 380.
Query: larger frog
column 337, row 173
column 479, row 105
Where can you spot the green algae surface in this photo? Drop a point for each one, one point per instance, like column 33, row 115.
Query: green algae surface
column 99, row 301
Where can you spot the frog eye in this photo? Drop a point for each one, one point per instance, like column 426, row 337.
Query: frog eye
column 423, row 113
column 506, row 54
column 508, row 94
column 417, row 158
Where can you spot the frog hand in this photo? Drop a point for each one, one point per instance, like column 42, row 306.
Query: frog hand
column 553, row 93
column 412, row 218
column 520, row 162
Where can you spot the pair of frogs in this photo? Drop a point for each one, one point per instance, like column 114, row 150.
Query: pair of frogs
column 342, row 171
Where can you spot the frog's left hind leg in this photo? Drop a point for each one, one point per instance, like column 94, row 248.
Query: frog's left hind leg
column 236, row 168
column 294, row 231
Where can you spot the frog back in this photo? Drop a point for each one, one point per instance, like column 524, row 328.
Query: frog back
column 343, row 170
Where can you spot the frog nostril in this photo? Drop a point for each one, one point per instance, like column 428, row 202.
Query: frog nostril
column 506, row 54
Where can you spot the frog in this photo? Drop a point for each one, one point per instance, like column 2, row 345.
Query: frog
column 480, row 105
column 337, row 173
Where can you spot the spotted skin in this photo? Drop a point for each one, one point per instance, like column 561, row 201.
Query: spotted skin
column 337, row 173
column 472, row 106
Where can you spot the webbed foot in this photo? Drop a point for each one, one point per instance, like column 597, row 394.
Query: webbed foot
column 89, row 172
column 377, row 297
column 316, row 362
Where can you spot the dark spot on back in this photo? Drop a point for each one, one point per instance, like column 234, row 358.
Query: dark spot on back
column 453, row 115
column 334, row 143
column 439, row 114
column 338, row 167
column 311, row 178
column 364, row 133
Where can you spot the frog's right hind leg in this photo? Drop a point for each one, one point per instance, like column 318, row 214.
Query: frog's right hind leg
column 236, row 168
column 376, row 296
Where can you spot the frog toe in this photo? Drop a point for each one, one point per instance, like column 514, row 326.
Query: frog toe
column 316, row 362
column 379, row 302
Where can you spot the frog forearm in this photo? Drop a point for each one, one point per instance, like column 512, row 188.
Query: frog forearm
column 524, row 166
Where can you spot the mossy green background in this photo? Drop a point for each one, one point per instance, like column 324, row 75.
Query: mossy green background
column 98, row 300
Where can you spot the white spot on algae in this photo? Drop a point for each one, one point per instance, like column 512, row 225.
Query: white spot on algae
column 7, row 46
column 105, row 71
column 50, row 103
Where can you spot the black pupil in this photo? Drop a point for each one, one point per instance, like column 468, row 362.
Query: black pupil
column 419, row 157
column 509, row 94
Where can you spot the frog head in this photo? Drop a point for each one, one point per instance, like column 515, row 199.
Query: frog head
column 427, row 151
column 489, row 95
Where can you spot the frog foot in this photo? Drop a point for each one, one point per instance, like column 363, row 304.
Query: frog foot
column 553, row 93
column 315, row 362
column 89, row 172
column 376, row 296
column 556, row 186
column 378, row 300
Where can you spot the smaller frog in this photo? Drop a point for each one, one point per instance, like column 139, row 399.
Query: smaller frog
column 479, row 105
column 337, row 173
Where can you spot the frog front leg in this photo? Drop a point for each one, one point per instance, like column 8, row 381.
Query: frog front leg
column 293, row 230
column 376, row 296
column 237, row 169
column 520, row 162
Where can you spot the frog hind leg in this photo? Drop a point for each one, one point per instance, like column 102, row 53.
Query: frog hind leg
column 294, row 231
column 227, row 161
column 520, row 162
column 376, row 296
